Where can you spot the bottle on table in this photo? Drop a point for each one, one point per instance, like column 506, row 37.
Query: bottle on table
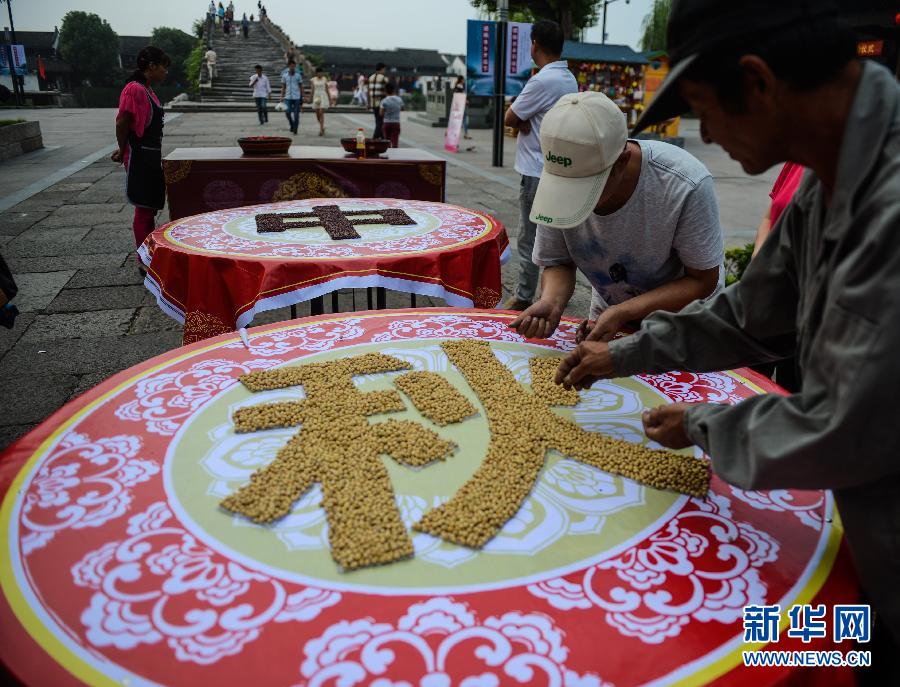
column 360, row 144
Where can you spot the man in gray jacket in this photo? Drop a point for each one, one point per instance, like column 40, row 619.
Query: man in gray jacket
column 774, row 81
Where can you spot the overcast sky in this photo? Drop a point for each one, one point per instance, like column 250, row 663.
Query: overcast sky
column 439, row 24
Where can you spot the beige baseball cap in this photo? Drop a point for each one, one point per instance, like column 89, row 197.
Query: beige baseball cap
column 581, row 138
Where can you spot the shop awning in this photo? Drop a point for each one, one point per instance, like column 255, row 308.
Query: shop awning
column 597, row 52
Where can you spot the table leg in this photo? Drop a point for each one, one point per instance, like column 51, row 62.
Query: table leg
column 381, row 295
column 293, row 312
column 334, row 302
column 317, row 305
column 412, row 300
column 369, row 297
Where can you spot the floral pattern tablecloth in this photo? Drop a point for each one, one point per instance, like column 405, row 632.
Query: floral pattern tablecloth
column 118, row 567
column 214, row 272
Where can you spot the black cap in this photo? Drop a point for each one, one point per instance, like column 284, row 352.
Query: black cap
column 702, row 26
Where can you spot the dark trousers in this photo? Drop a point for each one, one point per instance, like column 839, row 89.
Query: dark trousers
column 392, row 133
column 379, row 123
column 261, row 110
column 293, row 113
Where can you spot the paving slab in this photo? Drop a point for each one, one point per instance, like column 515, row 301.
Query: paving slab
column 20, row 265
column 79, row 325
column 14, row 223
column 20, row 247
column 95, row 172
column 100, row 298
column 8, row 337
column 107, row 276
column 44, row 234
column 45, row 202
column 85, row 356
column 88, row 382
column 38, row 289
column 30, row 396
column 150, row 318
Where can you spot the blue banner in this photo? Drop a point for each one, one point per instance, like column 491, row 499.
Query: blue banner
column 18, row 52
column 481, row 46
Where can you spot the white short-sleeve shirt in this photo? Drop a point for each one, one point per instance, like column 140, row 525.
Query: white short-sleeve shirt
column 540, row 94
column 670, row 222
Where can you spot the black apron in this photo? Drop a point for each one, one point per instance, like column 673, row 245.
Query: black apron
column 145, row 186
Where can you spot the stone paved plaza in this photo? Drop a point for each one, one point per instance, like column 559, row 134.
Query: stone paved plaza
column 85, row 313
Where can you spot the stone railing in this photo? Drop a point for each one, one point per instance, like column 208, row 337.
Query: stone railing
column 287, row 45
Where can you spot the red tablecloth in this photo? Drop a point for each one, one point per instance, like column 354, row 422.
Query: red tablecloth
column 214, row 272
column 118, row 567
column 204, row 179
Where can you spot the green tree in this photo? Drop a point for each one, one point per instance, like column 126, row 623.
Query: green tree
column 655, row 25
column 89, row 44
column 178, row 46
column 571, row 15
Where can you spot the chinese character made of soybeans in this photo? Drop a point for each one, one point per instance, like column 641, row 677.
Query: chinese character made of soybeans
column 338, row 448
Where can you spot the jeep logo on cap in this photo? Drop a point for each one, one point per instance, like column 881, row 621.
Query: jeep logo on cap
column 564, row 161
column 544, row 219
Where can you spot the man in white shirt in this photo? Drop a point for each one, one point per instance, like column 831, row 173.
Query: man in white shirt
column 259, row 82
column 541, row 92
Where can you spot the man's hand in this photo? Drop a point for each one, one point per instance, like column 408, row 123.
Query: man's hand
column 117, row 156
column 589, row 362
column 607, row 326
column 665, row 425
column 538, row 321
column 524, row 126
column 584, row 328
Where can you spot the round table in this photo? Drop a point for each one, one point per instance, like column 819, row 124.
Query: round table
column 214, row 272
column 119, row 567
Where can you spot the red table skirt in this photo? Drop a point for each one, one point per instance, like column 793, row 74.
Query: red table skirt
column 215, row 279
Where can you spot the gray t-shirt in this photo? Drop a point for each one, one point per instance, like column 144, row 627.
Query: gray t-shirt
column 670, row 221
column 392, row 106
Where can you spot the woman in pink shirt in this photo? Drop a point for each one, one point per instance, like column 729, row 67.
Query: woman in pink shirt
column 785, row 185
column 139, row 130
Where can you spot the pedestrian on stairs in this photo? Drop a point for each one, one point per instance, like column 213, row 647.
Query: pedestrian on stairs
column 245, row 26
column 376, row 93
column 210, row 17
column 211, row 62
column 259, row 82
column 221, row 13
column 292, row 94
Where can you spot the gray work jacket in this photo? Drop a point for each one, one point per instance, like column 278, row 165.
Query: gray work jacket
column 826, row 288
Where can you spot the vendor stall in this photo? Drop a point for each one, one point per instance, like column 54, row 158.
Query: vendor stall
column 213, row 272
column 203, row 179
column 614, row 70
column 120, row 566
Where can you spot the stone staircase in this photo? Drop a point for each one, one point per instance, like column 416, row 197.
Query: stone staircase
column 235, row 59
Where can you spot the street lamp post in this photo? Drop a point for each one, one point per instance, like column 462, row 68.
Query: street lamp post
column 605, row 3
column 18, row 88
column 500, row 82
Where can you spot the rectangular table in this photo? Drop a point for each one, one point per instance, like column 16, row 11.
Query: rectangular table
column 205, row 179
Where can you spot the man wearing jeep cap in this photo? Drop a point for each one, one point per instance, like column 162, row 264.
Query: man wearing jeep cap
column 773, row 81
column 638, row 218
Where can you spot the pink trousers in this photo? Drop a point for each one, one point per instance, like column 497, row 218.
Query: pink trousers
column 144, row 223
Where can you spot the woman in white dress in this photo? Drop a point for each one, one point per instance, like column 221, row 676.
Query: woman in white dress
column 320, row 97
